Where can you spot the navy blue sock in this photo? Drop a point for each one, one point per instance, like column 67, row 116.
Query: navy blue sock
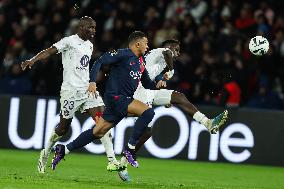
column 141, row 126
column 82, row 140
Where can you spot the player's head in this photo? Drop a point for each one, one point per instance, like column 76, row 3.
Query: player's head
column 172, row 44
column 138, row 42
column 87, row 28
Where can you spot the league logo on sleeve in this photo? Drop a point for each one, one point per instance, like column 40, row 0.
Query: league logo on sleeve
column 112, row 53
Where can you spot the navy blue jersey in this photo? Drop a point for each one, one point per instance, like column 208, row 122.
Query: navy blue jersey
column 126, row 72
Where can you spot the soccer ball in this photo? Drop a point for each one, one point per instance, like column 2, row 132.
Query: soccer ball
column 258, row 45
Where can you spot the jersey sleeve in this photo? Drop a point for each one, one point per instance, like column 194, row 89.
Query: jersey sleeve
column 159, row 77
column 146, row 81
column 106, row 59
column 62, row 45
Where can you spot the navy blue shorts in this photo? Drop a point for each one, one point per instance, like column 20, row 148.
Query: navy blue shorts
column 115, row 108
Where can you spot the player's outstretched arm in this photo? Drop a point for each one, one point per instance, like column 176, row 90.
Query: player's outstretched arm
column 40, row 56
column 106, row 58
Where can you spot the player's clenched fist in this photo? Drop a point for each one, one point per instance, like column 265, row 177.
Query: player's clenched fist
column 26, row 63
column 92, row 89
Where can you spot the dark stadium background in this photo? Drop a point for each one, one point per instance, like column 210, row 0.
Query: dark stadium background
column 215, row 71
column 214, row 39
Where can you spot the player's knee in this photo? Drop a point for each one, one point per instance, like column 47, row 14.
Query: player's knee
column 98, row 134
column 148, row 114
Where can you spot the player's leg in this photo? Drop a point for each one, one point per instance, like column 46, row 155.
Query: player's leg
column 145, row 96
column 94, row 107
column 62, row 150
column 113, row 164
column 59, row 131
column 165, row 97
column 87, row 136
column 101, row 128
column 212, row 125
column 123, row 174
column 69, row 106
column 145, row 116
column 97, row 132
column 113, row 116
column 106, row 140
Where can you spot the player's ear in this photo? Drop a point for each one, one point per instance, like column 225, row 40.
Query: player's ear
column 137, row 44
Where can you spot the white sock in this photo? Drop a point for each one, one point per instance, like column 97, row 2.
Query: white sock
column 52, row 140
column 131, row 146
column 108, row 145
column 66, row 150
column 201, row 118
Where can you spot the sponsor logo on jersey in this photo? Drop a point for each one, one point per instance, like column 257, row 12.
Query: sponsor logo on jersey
column 85, row 61
column 135, row 74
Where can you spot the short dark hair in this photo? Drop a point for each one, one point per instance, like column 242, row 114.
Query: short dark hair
column 135, row 36
column 84, row 20
column 170, row 42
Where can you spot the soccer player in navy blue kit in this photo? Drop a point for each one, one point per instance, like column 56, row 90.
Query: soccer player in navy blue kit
column 128, row 68
column 154, row 59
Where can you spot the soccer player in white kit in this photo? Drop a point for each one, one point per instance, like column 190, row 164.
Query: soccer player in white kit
column 76, row 53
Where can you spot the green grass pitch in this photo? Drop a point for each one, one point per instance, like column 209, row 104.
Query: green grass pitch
column 84, row 171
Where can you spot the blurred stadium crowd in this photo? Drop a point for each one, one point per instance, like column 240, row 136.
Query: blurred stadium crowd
column 215, row 66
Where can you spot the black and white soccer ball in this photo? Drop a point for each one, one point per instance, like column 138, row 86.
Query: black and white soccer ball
column 258, row 45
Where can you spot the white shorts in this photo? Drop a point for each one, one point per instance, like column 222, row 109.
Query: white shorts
column 160, row 97
column 73, row 101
